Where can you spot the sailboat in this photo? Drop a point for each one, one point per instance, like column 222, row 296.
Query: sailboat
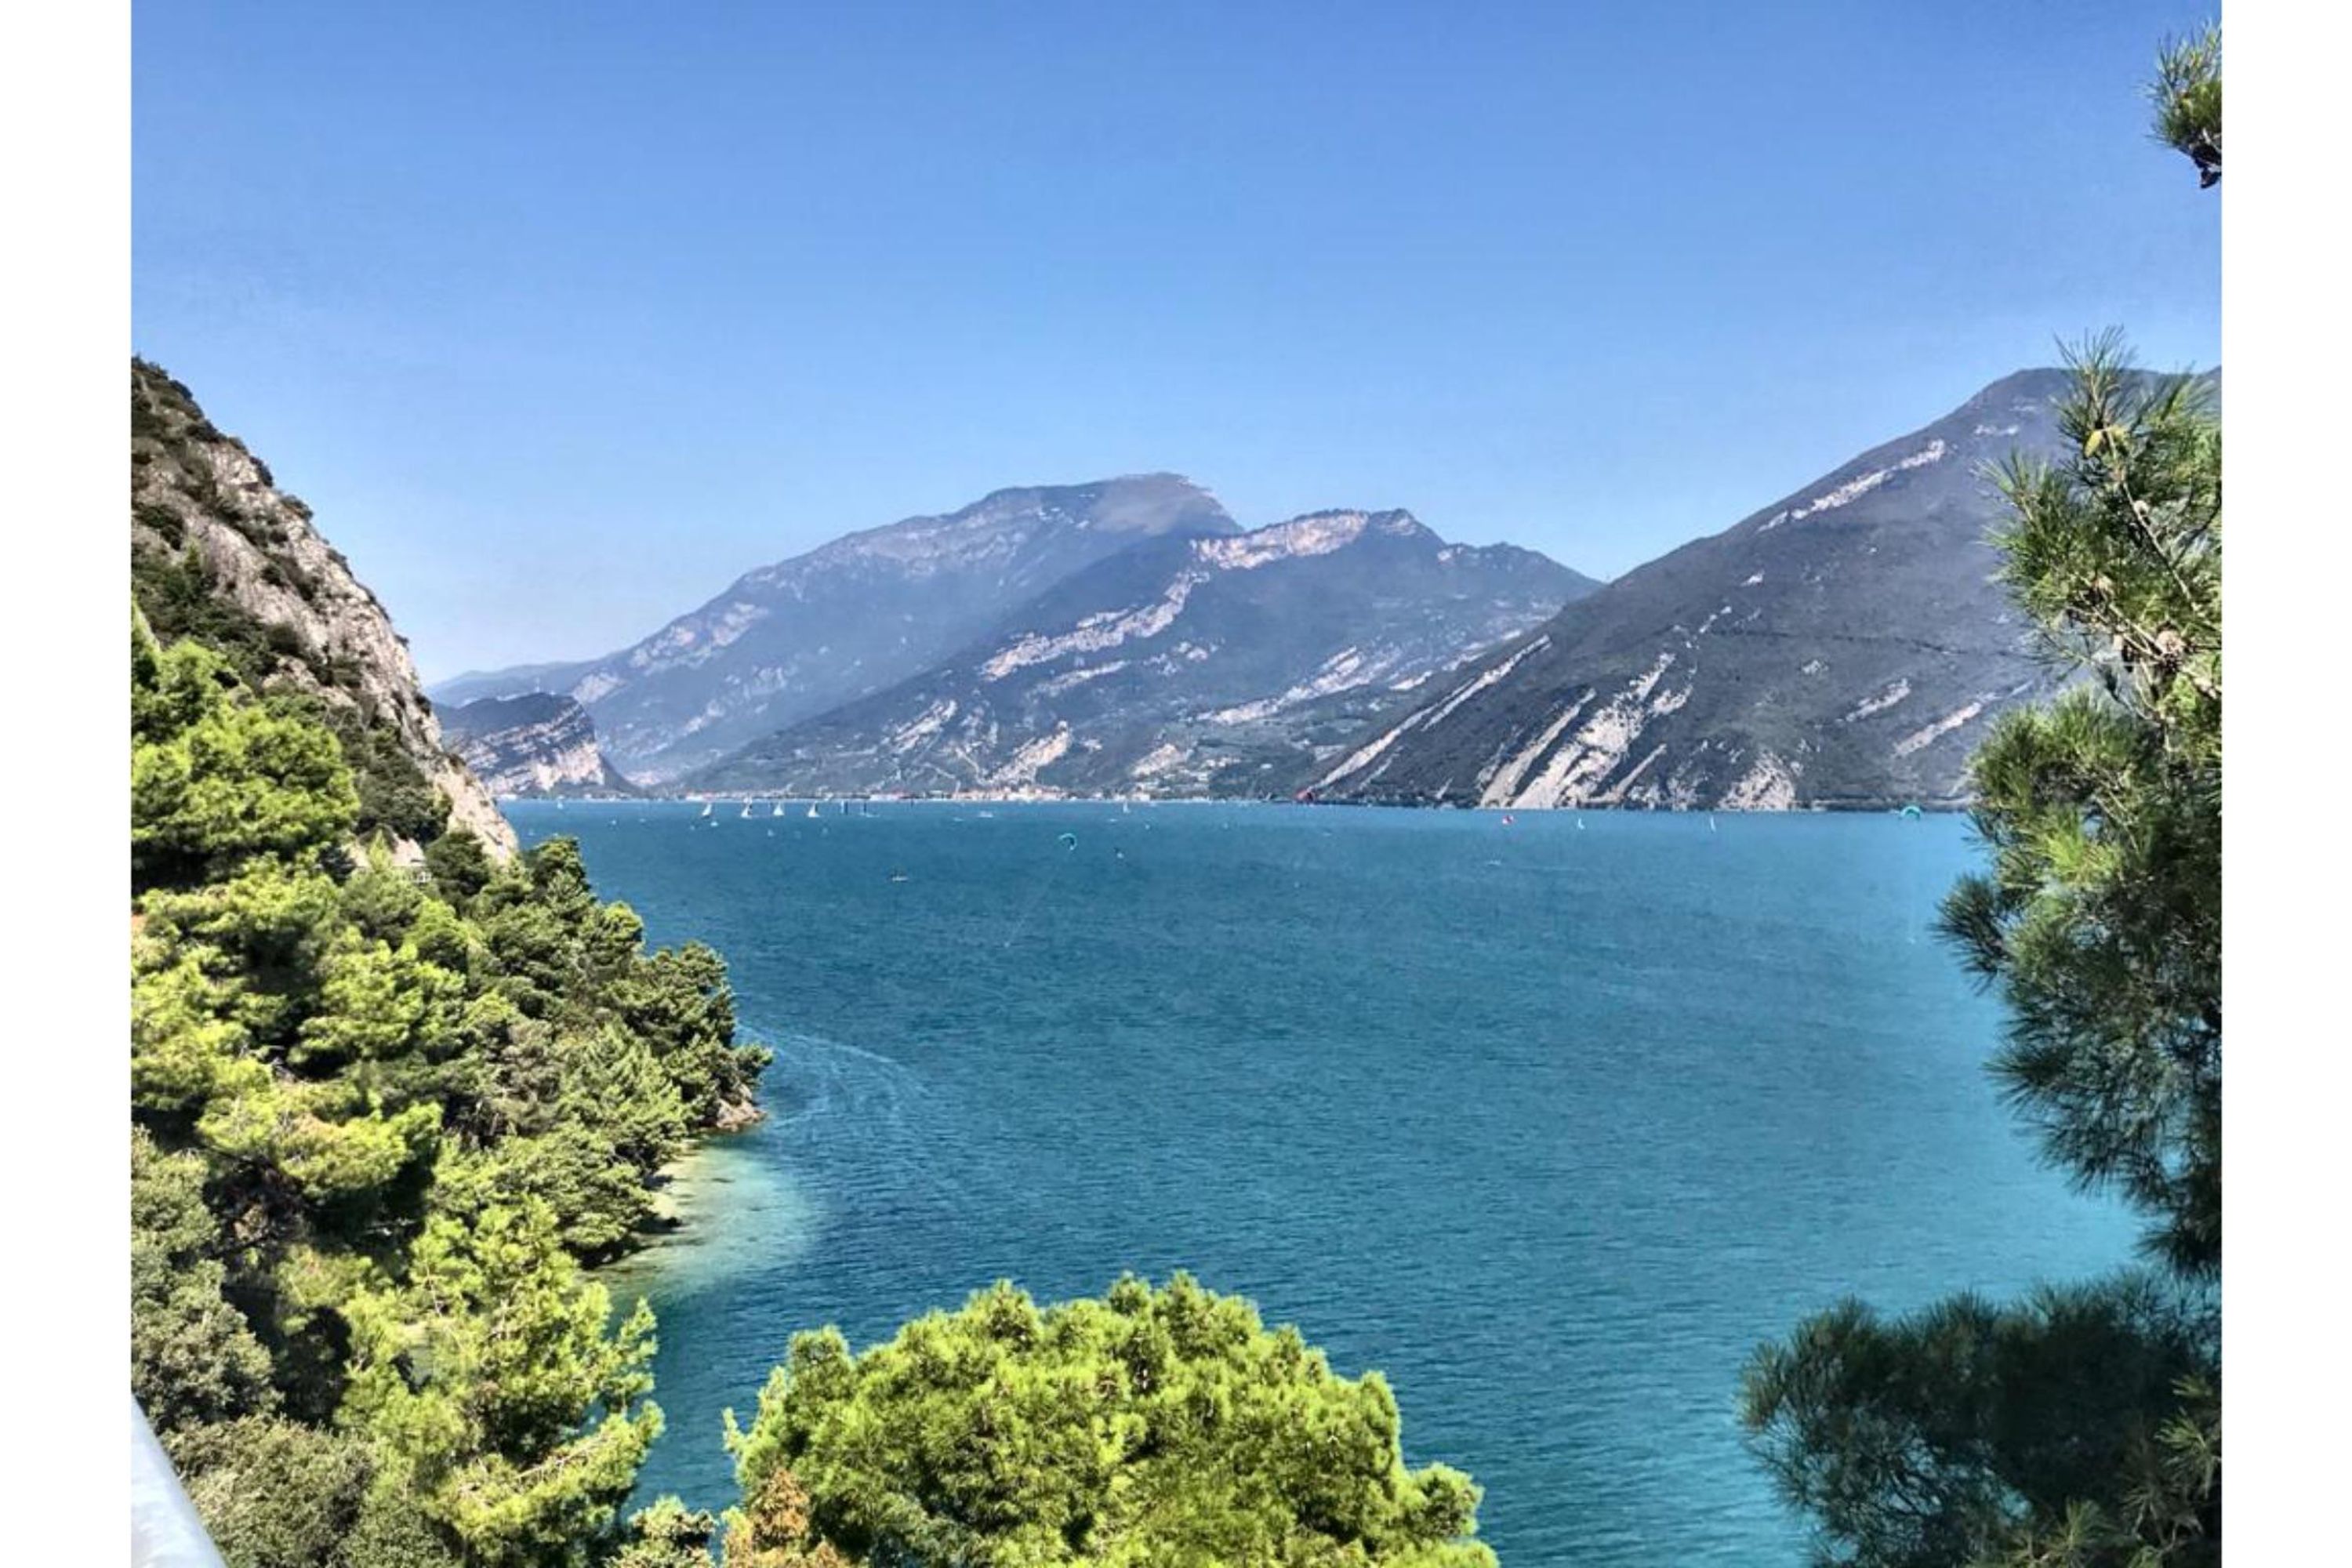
column 777, row 809
column 746, row 809
column 811, row 810
column 706, row 808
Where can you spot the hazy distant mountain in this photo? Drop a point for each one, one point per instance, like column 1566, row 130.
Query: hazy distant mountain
column 1845, row 646
column 476, row 684
column 848, row 618
column 537, row 743
column 1183, row 665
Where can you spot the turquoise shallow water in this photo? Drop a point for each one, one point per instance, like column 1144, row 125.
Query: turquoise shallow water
column 1551, row 1122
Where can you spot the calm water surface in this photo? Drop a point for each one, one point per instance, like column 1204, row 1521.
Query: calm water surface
column 1550, row 1122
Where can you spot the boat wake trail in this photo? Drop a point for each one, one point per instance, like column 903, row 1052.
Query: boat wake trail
column 881, row 1135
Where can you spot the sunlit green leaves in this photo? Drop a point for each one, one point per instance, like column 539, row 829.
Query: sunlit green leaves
column 499, row 1398
column 382, row 1111
column 2100, row 919
column 1147, row 1427
column 2187, row 96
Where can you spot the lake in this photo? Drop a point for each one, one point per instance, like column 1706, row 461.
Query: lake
column 1551, row 1120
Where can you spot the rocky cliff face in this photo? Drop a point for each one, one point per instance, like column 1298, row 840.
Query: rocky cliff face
column 1221, row 664
column 1846, row 646
column 535, row 744
column 852, row 618
column 219, row 550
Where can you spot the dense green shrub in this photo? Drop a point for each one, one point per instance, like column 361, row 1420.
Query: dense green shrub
column 380, row 1115
column 1151, row 1426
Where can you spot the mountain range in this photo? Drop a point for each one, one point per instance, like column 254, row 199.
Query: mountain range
column 796, row 638
column 535, row 743
column 1844, row 645
column 1189, row 665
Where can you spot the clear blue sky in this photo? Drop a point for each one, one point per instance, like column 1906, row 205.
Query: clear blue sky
column 562, row 317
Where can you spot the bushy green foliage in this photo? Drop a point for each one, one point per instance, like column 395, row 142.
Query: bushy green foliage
column 2081, row 1429
column 668, row 1535
column 193, row 1358
column 217, row 778
column 459, row 865
column 500, row 1402
column 381, row 1113
column 395, row 795
column 276, row 1493
column 182, row 605
column 2187, row 93
column 1958, row 1434
column 1152, row 1426
column 2100, row 921
column 679, row 1004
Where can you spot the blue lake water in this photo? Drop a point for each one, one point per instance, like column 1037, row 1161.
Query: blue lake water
column 1550, row 1122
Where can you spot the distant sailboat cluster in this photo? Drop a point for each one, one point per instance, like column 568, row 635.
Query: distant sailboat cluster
column 776, row 808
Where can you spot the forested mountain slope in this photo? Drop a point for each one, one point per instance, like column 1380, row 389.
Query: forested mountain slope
column 389, row 1089
column 219, row 554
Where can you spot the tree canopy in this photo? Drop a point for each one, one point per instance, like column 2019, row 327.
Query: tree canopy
column 1149, row 1425
column 382, row 1114
column 2186, row 95
column 2080, row 1428
column 2100, row 920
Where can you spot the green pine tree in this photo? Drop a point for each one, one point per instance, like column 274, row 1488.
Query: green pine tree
column 2080, row 1428
column 1166, row 1426
column 500, row 1400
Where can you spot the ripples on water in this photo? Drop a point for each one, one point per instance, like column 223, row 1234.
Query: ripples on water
column 1549, row 1122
